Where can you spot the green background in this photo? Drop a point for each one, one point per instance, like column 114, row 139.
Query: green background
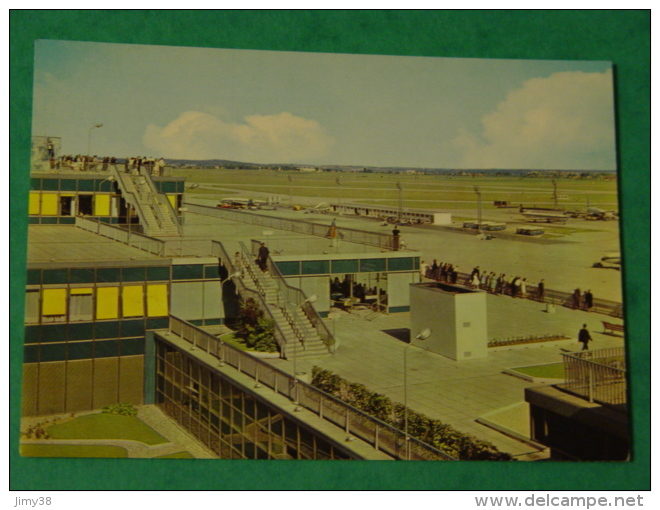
column 622, row 37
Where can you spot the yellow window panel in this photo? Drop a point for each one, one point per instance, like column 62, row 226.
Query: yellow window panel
column 157, row 300
column 107, row 302
column 133, row 300
column 54, row 302
column 49, row 204
column 80, row 290
column 102, row 205
column 33, row 206
column 172, row 199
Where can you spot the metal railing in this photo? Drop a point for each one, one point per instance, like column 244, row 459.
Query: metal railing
column 298, row 299
column 298, row 327
column 219, row 251
column 134, row 239
column 554, row 297
column 354, row 422
column 598, row 376
column 382, row 241
column 160, row 202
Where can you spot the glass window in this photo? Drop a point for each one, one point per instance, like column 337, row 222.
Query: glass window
column 32, row 307
column 288, row 268
column 315, row 266
column 54, row 304
column 132, row 300
column 49, row 204
column 402, row 264
column 344, row 266
column 372, row 265
column 107, row 303
column 157, row 305
column 81, row 305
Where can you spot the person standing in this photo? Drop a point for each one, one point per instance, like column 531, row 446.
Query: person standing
column 577, row 297
column 395, row 238
column 588, row 300
column 584, row 337
column 262, row 261
column 541, row 290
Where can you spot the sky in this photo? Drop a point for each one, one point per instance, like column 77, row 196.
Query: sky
column 324, row 109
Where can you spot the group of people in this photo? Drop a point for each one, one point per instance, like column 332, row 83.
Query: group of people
column 347, row 287
column 81, row 162
column 583, row 301
column 153, row 166
column 441, row 272
column 514, row 286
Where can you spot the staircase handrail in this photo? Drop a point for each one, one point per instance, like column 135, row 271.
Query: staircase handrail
column 218, row 250
column 297, row 326
column 298, row 297
column 130, row 196
column 161, row 199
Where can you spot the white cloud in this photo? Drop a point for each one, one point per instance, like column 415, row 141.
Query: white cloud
column 280, row 138
column 564, row 121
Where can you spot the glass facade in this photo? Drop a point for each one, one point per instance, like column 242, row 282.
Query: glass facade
column 231, row 422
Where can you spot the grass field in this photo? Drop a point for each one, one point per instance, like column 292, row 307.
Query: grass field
column 419, row 191
column 549, row 371
column 106, row 426
column 69, row 450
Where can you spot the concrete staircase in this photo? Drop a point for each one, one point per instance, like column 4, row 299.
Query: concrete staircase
column 299, row 332
column 152, row 207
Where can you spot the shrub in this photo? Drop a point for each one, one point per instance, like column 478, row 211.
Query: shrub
column 254, row 329
column 124, row 409
column 433, row 432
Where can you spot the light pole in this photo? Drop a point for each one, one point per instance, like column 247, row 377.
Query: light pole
column 296, row 401
column 422, row 335
column 89, row 137
column 476, row 190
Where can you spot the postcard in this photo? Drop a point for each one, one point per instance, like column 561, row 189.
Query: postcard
column 239, row 254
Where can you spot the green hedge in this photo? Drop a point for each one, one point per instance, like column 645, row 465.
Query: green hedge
column 433, row 432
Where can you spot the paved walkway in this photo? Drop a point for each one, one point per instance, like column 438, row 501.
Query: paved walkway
column 457, row 392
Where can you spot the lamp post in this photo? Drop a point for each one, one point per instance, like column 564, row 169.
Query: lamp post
column 422, row 335
column 296, row 403
column 89, row 137
column 478, row 192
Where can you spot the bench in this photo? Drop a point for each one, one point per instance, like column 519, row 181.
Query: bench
column 608, row 326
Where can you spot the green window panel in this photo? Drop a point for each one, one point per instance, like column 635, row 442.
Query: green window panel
column 107, row 274
column 416, row 262
column 31, row 354
column 161, row 323
column 68, row 184
column 35, row 184
column 48, row 221
column 315, row 267
column 168, row 187
column 81, row 275
column 132, row 328
column 106, row 348
column 87, row 184
column 180, row 186
column 109, row 329
column 402, row 264
column 288, row 268
column 33, row 220
column 188, row 272
column 211, row 272
column 158, row 273
column 373, row 265
column 50, row 184
column 344, row 266
column 52, row 352
column 53, row 333
column 67, row 220
column 132, row 346
column 132, row 274
column 80, row 350
column 81, row 331
column 105, row 186
column 33, row 277
column 32, row 334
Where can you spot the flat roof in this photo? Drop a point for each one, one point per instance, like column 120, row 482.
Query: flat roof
column 69, row 244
